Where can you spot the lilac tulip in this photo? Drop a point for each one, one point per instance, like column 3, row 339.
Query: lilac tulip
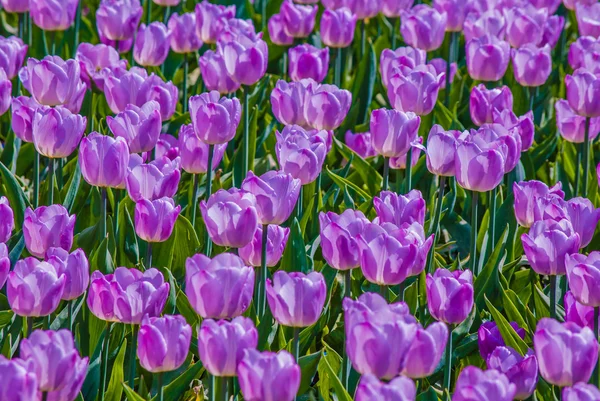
column 207, row 18
column 51, row 81
column 441, row 151
column 56, row 132
column 571, row 126
column 487, row 58
column 74, row 266
column 276, row 195
column 220, row 288
column 571, row 4
column 15, row 6
column 277, row 31
column 581, row 392
column 426, row 351
column 523, row 125
column 103, row 160
column 520, row 371
column 423, row 27
column 360, row 143
column 327, row 107
column 307, row 61
column 583, row 274
column 182, row 31
column 289, row 101
column 154, row 180
column 152, row 44
column 215, row 119
column 23, row 110
column 296, row 299
column 118, row 20
column 580, row 212
column 440, row 65
column 12, row 55
column 194, row 151
column 552, row 31
column 139, row 126
column 417, row 91
column 450, row 295
column 230, row 217
column 268, row 376
column 583, row 51
column 532, row 66
column 337, row 27
column 394, row 8
column 246, row 58
column 566, row 353
column 583, row 89
column 301, row 153
column 400, row 209
column 4, row 264
column 53, row 15
column 48, row 227
column 167, row 146
column 214, row 73
column 479, row 168
column 455, row 11
column 364, row 9
column 587, row 19
column 525, row 25
column 390, row 62
column 339, row 244
column 527, row 194
column 581, row 315
column 276, row 240
column 477, row 25
column 475, row 384
column 489, row 337
column 96, row 61
column 398, row 389
column 34, row 288
column 221, row 344
column 18, row 381
column 155, row 220
column 7, row 220
column 298, row 20
column 393, row 131
column 483, row 102
column 5, row 92
column 163, row 343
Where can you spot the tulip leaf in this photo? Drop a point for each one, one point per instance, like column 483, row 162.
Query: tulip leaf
column 364, row 83
column 132, row 395
column 294, row 257
column 332, row 381
column 174, row 390
column 308, row 366
column 17, row 250
column 429, row 395
column 91, row 383
column 510, row 336
column 512, row 312
column 185, row 309
column 115, row 389
column 488, row 281
column 5, row 318
column 73, row 185
column 128, row 253
column 369, row 174
column 341, row 182
column 14, row 193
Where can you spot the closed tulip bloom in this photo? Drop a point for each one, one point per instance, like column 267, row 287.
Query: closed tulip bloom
column 398, row 389
column 327, row 107
column 394, row 8
column 276, row 195
column 221, row 344
column 7, row 220
column 214, row 73
column 450, row 295
column 56, row 132
column 523, row 125
column 277, row 31
column 139, row 126
column 48, row 227
column 5, row 92
column 153, row 180
column 337, row 27
column 166, row 3
column 479, row 168
column 12, row 55
column 489, row 337
column 571, row 4
column 527, row 194
column 53, row 15
column 426, row 351
column 182, row 31
column 101, row 299
column 74, row 386
column 491, row 22
column 487, row 58
column 268, row 376
column 4, row 264
column 552, row 30
column 289, row 101
column 307, row 61
column 34, row 288
column 230, row 217
column 163, row 343
column 301, row 153
column 246, row 58
column 103, row 160
column 360, row 143
column 423, row 27
column 298, row 20
column 581, row 392
column 18, row 381
column 441, row 66
column 525, row 25
column 581, row 50
column 571, row 126
column 580, row 212
column 520, row 371
column 167, row 146
column 96, row 61
column 15, row 6
column 207, row 17
column 400, row 209
column 393, row 131
column 155, row 220
column 296, row 299
column 441, row 151
column 51, row 81
column 215, row 119
column 575, row 312
column 121, row 46
column 583, row 273
column 390, row 62
column 417, row 91
column 220, row 288
column 583, row 88
column 276, row 240
column 532, row 65
column 74, row 266
column 152, row 44
column 587, row 19
column 165, row 93
column 474, row 384
column 483, row 102
column 339, row 243
column 118, row 19
column 455, row 11
column 194, row 152
column 364, row 9
column 566, row 353
column 22, row 112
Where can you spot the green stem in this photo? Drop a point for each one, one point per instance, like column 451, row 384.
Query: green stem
column 363, row 38
column 448, row 365
column 51, row 168
column 29, row 30
column 435, row 226
column 211, row 149
column 148, row 12
column 29, row 321
column 347, row 294
column 36, row 179
column 408, row 177
column 337, row 72
column 246, row 131
column 473, row 255
column 53, row 40
column 59, row 172
column 262, row 307
column 148, row 255
column 45, row 42
column 103, row 199
column 132, row 356
column 167, row 14
column 284, row 61
column 105, row 349
column 492, row 222
column 299, row 204
column 586, row 157
column 70, row 313
column 553, row 296
column 578, row 169
column 263, row 13
column 531, row 97
column 296, row 348
column 195, row 200
column 401, row 288
column 453, row 37
column 597, row 368
column 386, row 173
column 383, row 290
column 395, row 32
column 77, row 24
column 185, row 78
column 161, row 388
column 117, row 195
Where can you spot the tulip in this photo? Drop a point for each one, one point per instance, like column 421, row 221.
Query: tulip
column 74, row 266
column 56, row 132
column 5, row 92
column 584, row 50
column 520, row 371
column 426, row 351
column 417, row 91
column 155, row 220
column 583, row 274
column 207, row 17
column 298, row 20
column 307, row 61
column 484, row 101
column 163, row 343
column 587, row 19
column 101, row 299
column 450, row 295
column 583, row 88
column 337, row 27
column 194, row 151
column 566, row 353
column 364, row 9
column 525, row 25
column 103, row 160
column 571, row 125
column 118, row 20
column 391, row 62
column 360, row 143
column 547, row 245
column 399, row 389
column 276, row 240
column 400, row 209
column 182, row 31
column 552, row 31
column 487, row 58
column 48, row 227
column 221, row 344
column 532, row 66
column 277, row 31
column 580, row 212
column 491, row 22
column 23, row 110
column 154, row 180
column 423, row 27
column 220, row 288
column 230, row 217
column 455, row 11
column 4, row 264
column 167, row 146
column 276, row 195
column 441, row 151
column 215, row 119
column 393, row 131
column 394, row 8
column 475, row 384
column 245, row 57
column 399, row 163
column 523, row 125
column 34, row 288
column 581, row 392
column 571, row 4
column 165, row 93
column 581, row 315
column 478, row 168
column 7, row 220
column 327, row 107
column 214, row 73
column 302, row 153
column 139, row 126
column 152, row 44
column 96, row 61
column 441, row 66
column 12, row 54
column 296, row 299
column 51, row 81
column 527, row 194
column 53, row 15
column 289, row 100
column 339, row 243
column 268, row 376
column 489, row 337
column 18, row 381
column 15, row 6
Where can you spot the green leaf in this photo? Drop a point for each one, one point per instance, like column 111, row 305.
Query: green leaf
column 341, row 182
column 332, row 378
column 429, row 395
column 294, row 256
column 308, row 366
column 115, row 389
column 488, row 281
column 364, row 83
column 73, row 185
column 132, row 395
column 510, row 336
column 174, row 390
column 371, row 177
column 92, row 378
column 16, row 196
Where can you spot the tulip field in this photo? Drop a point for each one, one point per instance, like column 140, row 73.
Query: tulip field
column 299, row 200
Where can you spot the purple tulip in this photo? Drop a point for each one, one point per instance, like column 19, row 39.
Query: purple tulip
column 566, row 353
column 298, row 20
column 426, row 351
column 245, row 57
column 194, row 151
column 12, row 55
column 474, row 384
column 378, row 335
column 51, row 81
column 48, row 227
column 581, row 315
column 152, row 44
column 23, row 111
column 532, row 65
column 487, row 58
column 101, row 299
column 479, row 168
column 455, row 11
column 417, row 91
column 491, row 22
column 5, row 92
column 583, row 89
column 163, row 343
column 104, row 160
column 483, row 102
column 394, row 8
column 523, row 125
column 571, row 4
column 167, row 146
column 74, row 266
column 327, row 107
column 117, row 20
column 155, row 220
column 139, row 126
column 289, row 101
column 552, row 30
column 53, row 15
column 339, row 243
column 214, row 73
column 527, row 194
column 580, row 212
column 393, row 131
column 364, row 9
column 520, row 371
column 276, row 195
column 301, row 153
column 166, row 3
column 182, row 31
column 7, row 220
column 489, row 337
column 548, row 243
column 220, row 288
column 34, row 288
column 277, row 31
column 4, row 264
column 571, row 125
column 587, row 19
column 15, row 6
column 96, row 61
column 581, row 392
column 360, row 143
column 525, row 25
column 583, row 51
column 307, row 61
column 215, row 119
column 398, row 389
column 441, row 151
column 296, row 299
column 276, row 240
column 440, row 65
column 153, row 180
column 423, row 27
column 56, row 132
column 400, row 209
column 207, row 17
column 337, row 27
column 584, row 277
column 18, row 381
column 221, row 344
column 268, row 376
column 450, row 295
column 390, row 62
column 230, row 217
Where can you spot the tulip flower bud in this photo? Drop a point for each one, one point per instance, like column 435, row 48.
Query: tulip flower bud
column 51, row 81
column 194, row 151
column 337, row 27
column 327, row 107
column 152, row 44
column 360, row 143
column 277, row 31
column 155, row 220
column 423, row 27
column 4, row 264
column 139, row 126
column 154, row 180
column 581, row 392
column 15, row 6
column 23, row 111
column 532, row 65
column 489, row 337
column 571, row 125
column 520, row 371
column 103, row 160
column 298, row 20
column 307, row 61
column 587, row 19
column 289, row 101
column 74, row 266
column 18, row 381
column 575, row 312
column 441, row 150
column 527, row 194
column 580, row 212
column 450, row 295
column 583, row 273
column 473, row 380
column 163, row 343
column 276, row 240
column 525, row 25
column 182, row 31
column 268, row 376
column 276, row 195
column 405, row 85
column 487, row 58
column 215, row 119
column 338, row 238
column 53, row 15
column 207, row 19
column 552, row 30
column 483, row 102
column 56, row 132
column 583, row 88
column 12, row 55
column 398, row 389
column 247, row 57
column 7, row 220
column 48, row 227
column 491, row 22
column 394, row 8
column 118, row 19
column 214, row 73
column 393, row 131
column 301, row 153
column 455, row 10
column 426, row 351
